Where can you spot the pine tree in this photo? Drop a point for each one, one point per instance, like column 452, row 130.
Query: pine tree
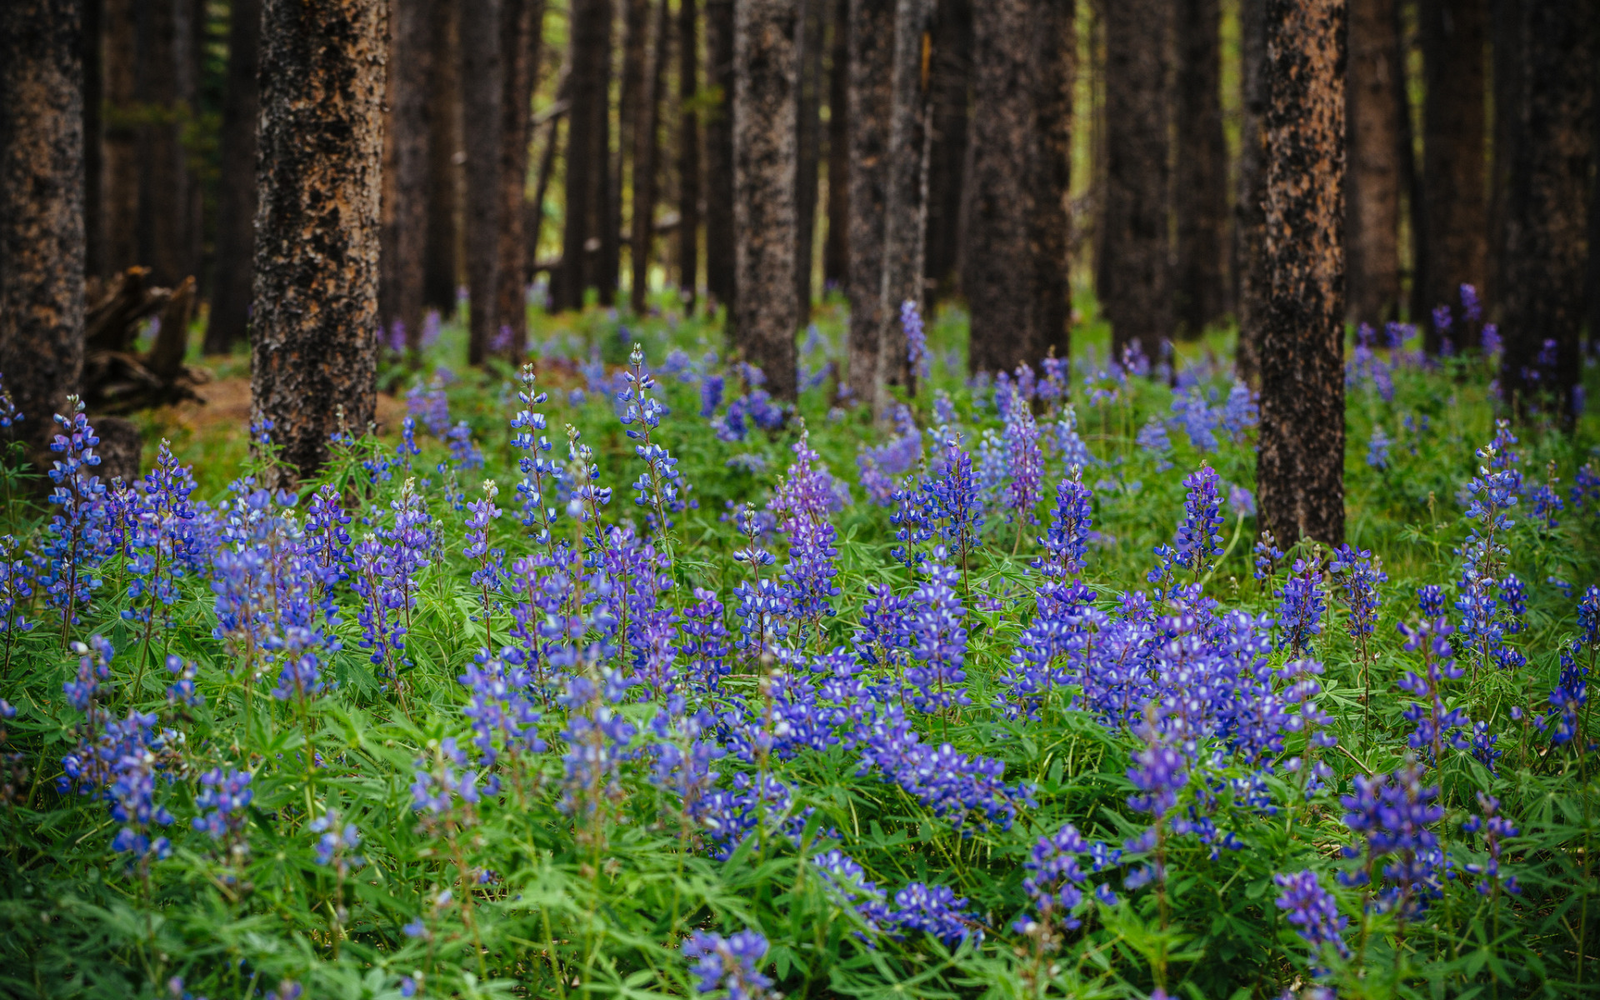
column 1372, row 195
column 871, row 99
column 721, row 273
column 41, row 211
column 1300, row 459
column 314, row 354
column 764, row 112
column 1200, row 181
column 228, row 323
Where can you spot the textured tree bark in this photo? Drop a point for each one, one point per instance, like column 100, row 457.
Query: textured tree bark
column 229, row 321
column 94, row 98
column 871, row 103
column 905, row 212
column 482, row 93
column 121, row 138
column 405, row 266
column 950, row 77
column 764, row 198
column 1249, row 220
column 630, row 106
column 441, row 261
column 1200, row 184
column 1055, row 61
column 808, row 148
column 584, row 245
column 1134, row 283
column 646, row 160
column 314, row 353
column 1300, row 457
column 1455, row 157
column 688, row 154
column 607, row 206
column 41, row 212
column 836, row 243
column 165, row 89
column 521, row 35
column 721, row 273
column 1547, row 204
column 1372, row 197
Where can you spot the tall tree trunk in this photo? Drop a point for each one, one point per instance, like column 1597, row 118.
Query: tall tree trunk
column 588, row 154
column 41, row 212
column 1200, row 184
column 905, row 209
column 94, row 97
column 871, row 102
column 547, row 160
column 482, row 93
column 608, row 192
column 165, row 92
column 836, row 243
column 646, row 157
column 721, row 273
column 410, row 75
column 688, row 154
column 951, row 74
column 1055, row 75
column 630, row 110
column 1454, row 155
column 236, row 186
column 764, row 188
column 122, row 137
column 1249, row 221
column 1300, row 458
column 441, row 270
column 1372, row 197
column 1135, row 287
column 808, row 148
column 314, row 356
column 998, row 274
column 521, row 35
column 1547, row 204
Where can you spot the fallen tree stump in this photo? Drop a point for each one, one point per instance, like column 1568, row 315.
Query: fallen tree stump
column 116, row 377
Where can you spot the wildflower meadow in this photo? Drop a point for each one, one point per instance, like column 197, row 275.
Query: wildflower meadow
column 613, row 677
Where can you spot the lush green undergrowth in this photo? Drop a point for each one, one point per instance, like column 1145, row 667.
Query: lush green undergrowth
column 593, row 684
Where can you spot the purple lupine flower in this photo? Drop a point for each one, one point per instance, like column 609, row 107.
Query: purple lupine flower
column 442, row 778
column 1198, row 540
column 1240, row 412
column 1153, row 439
column 540, row 473
column 916, row 338
column 802, row 503
column 1054, row 883
column 1158, row 774
column 728, row 963
column 1392, row 813
column 1312, row 910
column 938, row 639
column 1437, row 727
column 1357, row 579
column 337, row 842
column 1300, row 611
column 1268, row 556
column 1070, row 527
column 1471, row 309
column 502, row 713
column 1024, row 460
column 597, row 738
column 661, row 486
column 1378, row 448
column 224, row 796
column 1496, row 830
column 936, row 910
column 76, row 539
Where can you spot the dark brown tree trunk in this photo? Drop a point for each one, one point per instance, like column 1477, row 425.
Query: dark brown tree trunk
column 808, row 148
column 1249, row 220
column 1547, row 205
column 121, row 137
column 1135, row 287
column 998, row 274
column 646, row 158
column 1455, row 157
column 688, row 154
column 608, row 192
column 1506, row 72
column 521, row 34
column 630, row 105
column 721, row 273
column 482, row 93
column 547, row 160
column 41, row 211
column 1055, row 61
column 1200, row 182
column 905, row 209
column 236, row 186
column 1300, row 458
column 314, row 354
column 410, row 71
column 871, row 102
column 441, row 272
column 836, row 243
column 94, row 96
column 165, row 93
column 764, row 188
column 1372, row 196
column 584, row 245
column 950, row 80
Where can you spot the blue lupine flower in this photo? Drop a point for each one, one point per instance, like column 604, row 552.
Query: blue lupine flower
column 1312, row 910
column 916, row 338
column 728, row 963
column 1300, row 612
